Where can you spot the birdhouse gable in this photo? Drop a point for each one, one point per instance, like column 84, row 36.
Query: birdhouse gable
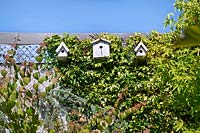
column 101, row 48
column 62, row 48
column 140, row 49
column 101, row 40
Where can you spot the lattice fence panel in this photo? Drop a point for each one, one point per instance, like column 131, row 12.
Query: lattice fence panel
column 23, row 53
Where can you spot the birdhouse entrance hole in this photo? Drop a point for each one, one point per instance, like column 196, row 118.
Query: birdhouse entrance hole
column 141, row 51
column 100, row 47
column 62, row 51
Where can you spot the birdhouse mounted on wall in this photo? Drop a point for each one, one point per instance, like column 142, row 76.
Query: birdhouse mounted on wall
column 101, row 48
column 141, row 49
column 62, row 51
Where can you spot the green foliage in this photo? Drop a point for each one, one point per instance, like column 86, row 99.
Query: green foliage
column 121, row 93
column 190, row 37
column 20, row 100
column 185, row 23
column 91, row 78
column 188, row 16
column 17, row 107
column 166, row 80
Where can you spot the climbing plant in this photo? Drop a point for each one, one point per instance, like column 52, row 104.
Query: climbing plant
column 161, row 81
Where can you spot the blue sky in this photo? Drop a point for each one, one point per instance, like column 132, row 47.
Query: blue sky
column 74, row 16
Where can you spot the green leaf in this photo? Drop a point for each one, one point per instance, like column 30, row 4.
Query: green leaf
column 26, row 80
column 36, row 75
column 29, row 111
column 4, row 73
column 11, row 52
column 50, row 87
column 39, row 58
column 85, row 131
column 14, row 85
column 97, row 65
column 51, row 131
column 13, row 96
column 16, row 68
column 178, row 125
column 36, row 86
column 43, row 94
column 21, row 82
column 35, row 67
column 29, row 94
column 42, row 79
column 22, row 73
column 108, row 119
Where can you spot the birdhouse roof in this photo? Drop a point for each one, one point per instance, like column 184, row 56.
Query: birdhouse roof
column 141, row 44
column 62, row 44
column 100, row 39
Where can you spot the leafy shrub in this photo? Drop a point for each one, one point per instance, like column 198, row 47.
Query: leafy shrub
column 162, row 80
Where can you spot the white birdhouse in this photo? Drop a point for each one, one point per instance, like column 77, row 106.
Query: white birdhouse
column 62, row 51
column 101, row 48
column 140, row 49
